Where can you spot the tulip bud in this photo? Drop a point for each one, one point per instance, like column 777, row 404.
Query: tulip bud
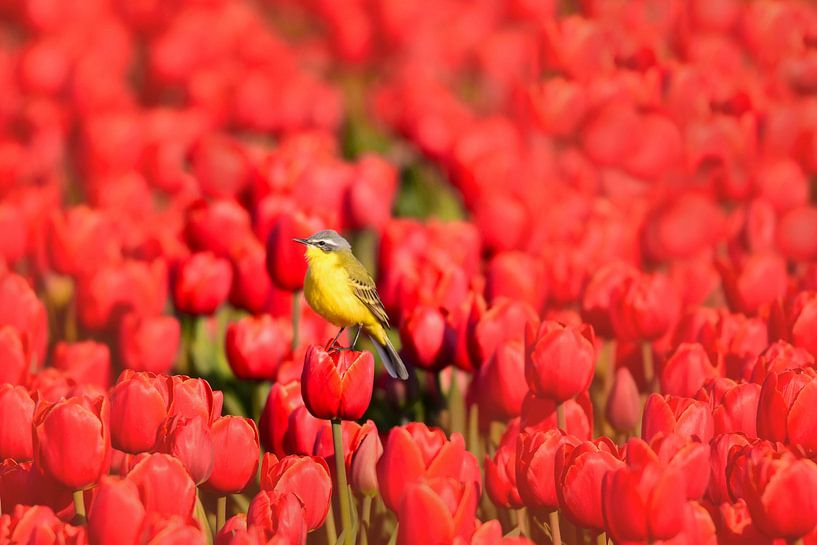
column 539, row 413
column 500, row 472
column 236, row 450
column 691, row 457
column 792, row 235
column 14, row 356
column 337, row 384
column 306, row 477
column 370, row 197
column 139, row 403
column 597, row 303
column 149, row 343
column 559, row 360
column 71, row 441
column 365, row 455
column 86, row 362
column 192, row 397
column 505, row 320
column 81, row 239
column 736, row 411
column 22, row 310
column 252, row 288
column 219, row 226
column 686, row 371
column 645, row 308
column 517, row 276
column 426, row 338
column 116, row 513
column 165, row 487
column 256, row 345
column 501, row 382
column 16, row 414
column 190, row 440
column 282, row 400
column 757, row 281
column 623, row 409
column 202, row 284
column 285, row 259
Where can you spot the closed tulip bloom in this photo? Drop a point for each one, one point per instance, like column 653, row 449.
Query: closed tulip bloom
column 281, row 401
column 14, row 355
column 540, row 414
column 784, row 408
column 680, row 415
column 191, row 397
column 500, row 471
column 778, row 357
column 307, row 477
column 737, row 410
column 803, row 319
column 337, row 384
column 505, row 320
column 116, row 514
column 39, row 524
column 235, row 454
column 559, row 360
column 427, row 338
column 579, row 478
column 736, row 526
column 160, row 529
column 278, row 514
column 691, row 457
column 71, row 440
column 285, row 261
column 303, row 431
column 600, row 292
column 86, row 362
column 437, row 512
column 256, row 346
column 686, row 371
column 366, row 452
column 535, row 465
column 501, row 382
column 191, row 442
column 641, row 502
column 16, row 416
column 202, row 284
column 23, row 484
column 21, row 309
column 139, row 403
column 758, row 280
column 165, row 486
column 81, row 238
column 645, row 308
column 252, row 288
column 623, row 409
column 234, row 531
column 721, row 449
column 217, row 226
column 149, row 343
column 517, row 276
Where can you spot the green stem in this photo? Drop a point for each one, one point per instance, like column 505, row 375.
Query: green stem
column 456, row 406
column 329, row 526
column 79, row 507
column 259, row 398
column 560, row 417
column 649, row 366
column 366, row 518
column 601, row 539
column 221, row 512
column 185, row 366
column 296, row 318
column 579, row 536
column 201, row 516
column 473, row 431
column 555, row 532
column 71, row 320
column 240, row 503
column 799, row 541
column 522, row 521
column 342, row 489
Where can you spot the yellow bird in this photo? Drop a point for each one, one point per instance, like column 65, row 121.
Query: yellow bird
column 338, row 287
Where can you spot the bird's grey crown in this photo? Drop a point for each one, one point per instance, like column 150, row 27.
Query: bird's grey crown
column 329, row 240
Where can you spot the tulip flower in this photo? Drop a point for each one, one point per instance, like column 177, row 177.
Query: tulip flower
column 12, row 351
column 757, row 281
column 686, row 371
column 303, row 430
column 427, row 338
column 559, row 360
column 623, row 409
column 20, row 309
column 737, row 410
column 783, row 408
column 139, row 404
column 540, row 414
column 16, row 414
column 282, row 400
column 803, row 318
column 38, row 523
column 217, row 226
column 252, row 288
column 116, row 513
column 306, row 477
column 535, row 465
column 517, row 276
column 285, row 261
column 437, row 512
column 278, row 514
column 256, row 345
column 149, row 343
column 191, row 397
column 191, row 442
column 202, row 284
column 645, row 308
column 599, row 293
column 501, row 382
column 165, row 486
column 680, row 415
column 235, row 454
column 691, row 457
column 160, row 529
column 366, row 451
column 500, row 471
column 505, row 320
column 81, row 238
column 778, row 357
column 24, row 484
column 338, row 384
column 86, row 362
column 71, row 440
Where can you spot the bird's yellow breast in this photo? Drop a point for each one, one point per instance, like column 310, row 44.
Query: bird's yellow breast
column 328, row 292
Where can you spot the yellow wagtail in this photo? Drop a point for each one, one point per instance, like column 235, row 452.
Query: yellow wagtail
column 338, row 287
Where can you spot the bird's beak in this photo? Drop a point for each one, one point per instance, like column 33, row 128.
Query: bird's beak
column 301, row 241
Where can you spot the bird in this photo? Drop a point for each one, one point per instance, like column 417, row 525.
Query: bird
column 339, row 288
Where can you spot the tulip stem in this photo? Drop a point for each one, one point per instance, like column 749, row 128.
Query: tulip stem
column 185, row 365
column 579, row 535
column 331, row 530
column 555, row 532
column 799, row 541
column 71, row 320
column 221, row 512
column 342, row 489
column 456, row 406
column 79, row 507
column 560, row 417
column 473, row 430
column 366, row 517
column 601, row 539
column 296, row 318
column 648, row 364
column 521, row 521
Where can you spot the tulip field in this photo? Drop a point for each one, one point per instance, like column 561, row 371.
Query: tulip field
column 592, row 225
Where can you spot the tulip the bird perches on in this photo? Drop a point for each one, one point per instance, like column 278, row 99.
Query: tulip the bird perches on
column 338, row 287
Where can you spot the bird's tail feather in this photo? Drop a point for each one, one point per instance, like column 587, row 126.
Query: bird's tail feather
column 391, row 360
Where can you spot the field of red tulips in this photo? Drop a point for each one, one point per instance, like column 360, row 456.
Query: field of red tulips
column 592, row 224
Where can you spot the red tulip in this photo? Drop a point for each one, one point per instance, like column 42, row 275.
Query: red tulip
column 691, row 457
column 559, row 360
column 165, row 487
column 285, row 259
column 366, row 452
column 783, row 410
column 721, row 449
column 139, row 404
column 15, row 355
column 792, row 233
column 500, row 471
column 39, row 524
column 202, row 283
column 274, row 421
column 517, row 276
column 307, row 477
column 191, row 442
column 160, row 529
column 24, row 484
column 736, row 527
column 686, row 371
column 437, row 512
column 756, row 282
column 278, row 514
column 337, row 384
column 501, row 382
column 149, row 343
column 683, row 416
column 20, row 309
column 504, row 321
column 623, row 409
column 736, row 410
column 535, row 465
column 641, row 502
column 190, row 397
column 221, row 226
column 303, row 430
column 116, row 513
column 597, row 303
column 579, row 477
column 81, row 239
column 540, row 414
column 16, row 414
column 645, row 308
column 252, row 288
column 427, row 338
column 370, row 197
column 236, row 450
column 221, row 165
column 778, row 357
column 86, row 362
column 803, row 320
column 256, row 346
column 71, row 440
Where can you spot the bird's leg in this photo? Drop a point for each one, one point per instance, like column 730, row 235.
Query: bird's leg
column 334, row 344
column 357, row 336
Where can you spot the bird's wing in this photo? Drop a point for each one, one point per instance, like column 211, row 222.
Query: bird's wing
column 365, row 289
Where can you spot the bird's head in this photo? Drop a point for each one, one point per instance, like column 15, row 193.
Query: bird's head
column 324, row 242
